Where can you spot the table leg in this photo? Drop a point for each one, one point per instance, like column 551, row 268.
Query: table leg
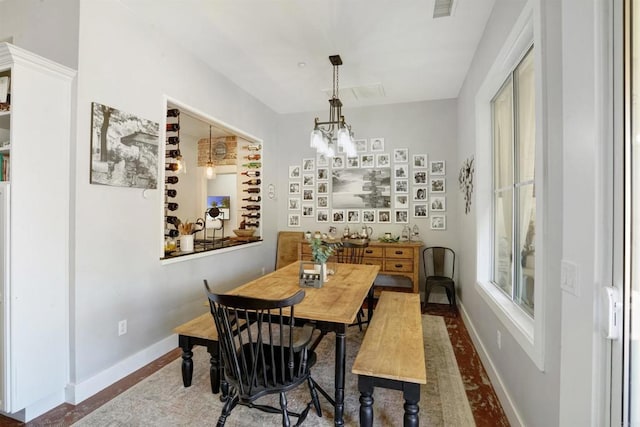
column 341, row 355
column 365, row 386
column 370, row 304
column 411, row 398
column 214, row 370
column 187, row 362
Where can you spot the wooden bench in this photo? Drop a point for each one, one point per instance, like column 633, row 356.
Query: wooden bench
column 199, row 331
column 392, row 355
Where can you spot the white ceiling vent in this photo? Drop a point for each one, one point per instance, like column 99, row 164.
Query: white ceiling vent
column 442, row 8
column 359, row 92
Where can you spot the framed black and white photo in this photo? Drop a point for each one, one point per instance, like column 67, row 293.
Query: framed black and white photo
column 294, row 203
column 307, row 194
column 322, row 215
column 420, row 194
column 383, row 160
column 420, row 161
column 294, row 220
column 294, row 188
column 337, row 162
column 353, row 215
column 308, row 165
column 401, row 155
column 420, row 177
column 124, row 149
column 384, row 216
column 307, row 180
column 294, row 172
column 322, row 160
column 322, row 201
column 401, row 201
column 361, row 145
column 368, row 216
column 401, row 185
column 436, row 167
column 353, row 162
column 438, row 203
column 437, row 185
column 367, row 161
column 307, row 210
column 377, row 144
column 338, row 215
column 323, row 187
column 361, row 188
column 438, row 222
column 420, row 211
column 402, row 216
column 401, row 171
column 322, row 174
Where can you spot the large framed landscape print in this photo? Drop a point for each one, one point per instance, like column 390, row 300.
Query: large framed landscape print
column 361, row 188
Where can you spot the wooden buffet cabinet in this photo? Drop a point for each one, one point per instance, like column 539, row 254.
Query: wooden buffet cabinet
column 395, row 259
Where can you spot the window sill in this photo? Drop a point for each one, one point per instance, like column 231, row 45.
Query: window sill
column 514, row 319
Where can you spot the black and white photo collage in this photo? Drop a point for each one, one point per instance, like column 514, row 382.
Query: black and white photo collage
column 376, row 186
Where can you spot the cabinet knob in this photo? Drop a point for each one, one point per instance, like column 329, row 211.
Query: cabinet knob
column 369, row 251
column 399, row 252
column 398, row 265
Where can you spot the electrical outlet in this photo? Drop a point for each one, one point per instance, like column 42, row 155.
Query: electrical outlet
column 499, row 339
column 122, row 327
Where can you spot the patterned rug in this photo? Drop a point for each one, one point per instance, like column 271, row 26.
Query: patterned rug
column 161, row 400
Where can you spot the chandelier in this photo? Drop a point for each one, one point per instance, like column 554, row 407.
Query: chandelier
column 325, row 135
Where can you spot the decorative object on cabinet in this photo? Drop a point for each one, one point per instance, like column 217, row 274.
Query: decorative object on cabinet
column 465, row 179
column 124, row 149
column 336, row 128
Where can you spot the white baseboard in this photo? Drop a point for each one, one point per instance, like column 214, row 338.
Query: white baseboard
column 506, row 401
column 76, row 393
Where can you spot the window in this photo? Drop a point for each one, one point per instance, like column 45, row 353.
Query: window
column 514, row 203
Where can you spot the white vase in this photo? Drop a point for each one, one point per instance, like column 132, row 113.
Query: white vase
column 186, row 243
column 322, row 270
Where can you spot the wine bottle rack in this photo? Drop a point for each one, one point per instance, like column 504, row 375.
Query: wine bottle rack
column 250, row 179
column 172, row 157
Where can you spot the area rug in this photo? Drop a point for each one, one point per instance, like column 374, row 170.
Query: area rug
column 161, row 399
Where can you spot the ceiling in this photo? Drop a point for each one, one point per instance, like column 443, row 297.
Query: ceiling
column 394, row 45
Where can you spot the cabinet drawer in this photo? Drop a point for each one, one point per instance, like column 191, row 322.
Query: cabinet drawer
column 373, row 252
column 398, row 253
column 373, row 261
column 398, row 265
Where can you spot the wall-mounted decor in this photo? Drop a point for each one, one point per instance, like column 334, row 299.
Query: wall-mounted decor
column 356, row 188
column 322, row 174
column 353, row 162
column 353, row 215
column 338, row 215
column 401, row 171
column 383, row 160
column 465, row 179
column 307, row 210
column 401, row 155
column 124, row 149
column 367, row 161
column 438, row 203
column 322, row 160
column 322, row 215
column 420, row 161
column 322, row 201
column 361, row 145
column 384, row 216
column 337, row 162
column 401, row 201
column 294, row 172
column 420, row 194
column 420, row 211
column 368, row 215
column 323, row 187
column 402, row 216
column 307, row 180
column 307, row 195
column 437, row 167
column 438, row 222
column 294, row 220
column 308, row 165
column 294, row 203
column 437, row 185
column 377, row 144
column 401, row 185
column 294, row 188
column 419, row 177
column 224, row 150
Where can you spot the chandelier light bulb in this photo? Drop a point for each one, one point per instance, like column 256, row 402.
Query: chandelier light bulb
column 211, row 171
column 316, row 138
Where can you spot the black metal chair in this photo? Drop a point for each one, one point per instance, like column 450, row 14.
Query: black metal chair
column 262, row 352
column 353, row 253
column 439, row 266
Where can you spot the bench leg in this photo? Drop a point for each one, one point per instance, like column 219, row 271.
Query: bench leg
column 365, row 386
column 214, row 371
column 187, row 362
column 411, row 394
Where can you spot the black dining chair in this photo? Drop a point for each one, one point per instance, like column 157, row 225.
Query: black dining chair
column 262, row 352
column 353, row 253
column 439, row 266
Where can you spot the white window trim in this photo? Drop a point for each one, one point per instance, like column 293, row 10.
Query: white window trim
column 528, row 332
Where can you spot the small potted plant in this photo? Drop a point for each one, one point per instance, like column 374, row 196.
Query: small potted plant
column 320, row 253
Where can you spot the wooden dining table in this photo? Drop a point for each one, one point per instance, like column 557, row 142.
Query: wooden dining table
column 333, row 307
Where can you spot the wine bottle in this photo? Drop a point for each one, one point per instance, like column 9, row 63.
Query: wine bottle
column 172, row 220
column 252, row 147
column 171, row 233
column 173, row 112
column 173, row 127
column 173, row 167
column 170, row 192
column 251, row 190
column 173, row 140
column 174, row 154
column 252, row 224
column 250, row 174
column 252, row 215
column 171, row 206
column 251, row 207
column 252, row 199
column 253, row 182
column 253, row 157
column 252, row 165
column 171, row 180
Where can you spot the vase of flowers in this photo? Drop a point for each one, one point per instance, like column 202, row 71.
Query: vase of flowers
column 320, row 253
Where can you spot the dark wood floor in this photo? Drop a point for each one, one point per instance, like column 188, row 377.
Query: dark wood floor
column 485, row 405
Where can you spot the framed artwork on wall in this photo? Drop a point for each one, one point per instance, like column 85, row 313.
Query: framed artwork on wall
column 308, row 165
column 438, row 222
column 338, row 215
column 368, row 216
column 383, row 160
column 322, row 174
column 402, row 216
column 420, row 211
column 322, row 201
column 307, row 210
column 294, row 203
column 377, row 144
column 323, row 187
column 437, row 185
column 322, row 215
column 307, row 194
column 401, row 155
column 337, row 162
column 437, row 167
column 361, row 145
column 438, row 203
column 322, row 160
column 294, row 188
column 294, row 220
column 401, row 185
column 353, row 215
column 420, row 161
column 420, row 194
column 420, row 177
column 401, row 171
column 294, row 172
column 358, row 188
column 353, row 162
column 367, row 161
column 384, row 216
column 307, row 180
column 401, row 201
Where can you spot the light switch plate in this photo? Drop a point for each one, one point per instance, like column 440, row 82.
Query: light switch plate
column 569, row 277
